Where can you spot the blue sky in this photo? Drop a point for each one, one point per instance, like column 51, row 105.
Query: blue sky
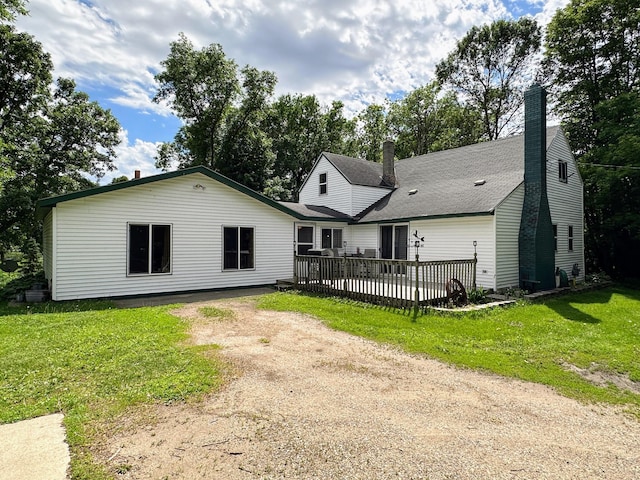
column 357, row 51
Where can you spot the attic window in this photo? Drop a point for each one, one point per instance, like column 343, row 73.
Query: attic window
column 477, row 183
column 323, row 183
column 413, row 191
column 563, row 171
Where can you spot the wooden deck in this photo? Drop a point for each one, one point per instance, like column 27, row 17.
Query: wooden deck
column 398, row 283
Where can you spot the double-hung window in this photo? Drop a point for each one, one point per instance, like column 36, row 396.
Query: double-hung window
column 570, row 237
column 149, row 248
column 331, row 238
column 563, row 171
column 238, row 248
column 323, row 183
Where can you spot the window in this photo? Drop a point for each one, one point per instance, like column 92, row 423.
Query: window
column 149, row 249
column 555, row 238
column 323, row 184
column 563, row 171
column 570, row 237
column 238, row 248
column 331, row 238
column 304, row 239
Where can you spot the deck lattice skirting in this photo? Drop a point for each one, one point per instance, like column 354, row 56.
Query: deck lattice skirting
column 396, row 283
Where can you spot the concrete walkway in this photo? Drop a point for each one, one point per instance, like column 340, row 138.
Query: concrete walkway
column 34, row 449
column 203, row 296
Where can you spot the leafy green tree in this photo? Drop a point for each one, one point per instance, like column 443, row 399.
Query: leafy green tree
column 51, row 140
column 300, row 128
column 592, row 58
column 10, row 8
column 424, row 121
column 489, row 68
column 222, row 110
column 372, row 129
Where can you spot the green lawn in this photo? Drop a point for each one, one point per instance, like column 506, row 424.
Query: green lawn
column 93, row 362
column 598, row 330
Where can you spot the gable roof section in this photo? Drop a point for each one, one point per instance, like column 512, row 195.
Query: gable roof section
column 358, row 171
column 317, row 213
column 444, row 182
column 46, row 204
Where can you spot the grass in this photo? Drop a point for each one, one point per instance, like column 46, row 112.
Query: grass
column 217, row 313
column 93, row 362
column 533, row 342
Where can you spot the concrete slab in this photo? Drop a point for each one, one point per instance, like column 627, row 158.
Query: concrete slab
column 34, row 449
column 203, row 296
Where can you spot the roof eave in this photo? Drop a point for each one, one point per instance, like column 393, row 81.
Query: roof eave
column 44, row 206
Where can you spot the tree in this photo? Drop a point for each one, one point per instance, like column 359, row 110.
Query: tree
column 51, row 140
column 372, row 129
column 592, row 57
column 300, row 129
column 10, row 8
column 489, row 68
column 424, row 121
column 222, row 110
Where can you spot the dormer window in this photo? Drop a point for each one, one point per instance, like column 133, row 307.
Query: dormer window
column 323, row 184
column 563, row 171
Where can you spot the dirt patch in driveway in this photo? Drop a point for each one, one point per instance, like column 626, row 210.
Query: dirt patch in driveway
column 309, row 402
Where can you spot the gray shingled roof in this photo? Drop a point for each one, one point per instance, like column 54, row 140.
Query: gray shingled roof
column 315, row 212
column 357, row 171
column 445, row 181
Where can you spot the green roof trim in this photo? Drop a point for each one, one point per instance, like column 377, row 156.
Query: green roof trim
column 426, row 217
column 44, row 206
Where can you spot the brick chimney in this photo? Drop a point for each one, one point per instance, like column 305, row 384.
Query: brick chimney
column 535, row 239
column 136, row 174
column 388, row 171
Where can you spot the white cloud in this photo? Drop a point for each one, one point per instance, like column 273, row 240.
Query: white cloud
column 334, row 48
column 131, row 157
column 357, row 51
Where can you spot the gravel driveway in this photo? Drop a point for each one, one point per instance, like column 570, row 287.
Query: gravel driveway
column 312, row 403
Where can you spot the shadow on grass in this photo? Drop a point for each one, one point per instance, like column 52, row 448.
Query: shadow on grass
column 569, row 306
column 7, row 308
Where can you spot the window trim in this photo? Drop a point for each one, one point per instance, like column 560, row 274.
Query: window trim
column 570, row 238
column 311, row 244
column 149, row 271
column 323, row 183
column 332, row 240
column 563, row 171
column 239, row 250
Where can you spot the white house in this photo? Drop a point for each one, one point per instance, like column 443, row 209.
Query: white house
column 520, row 199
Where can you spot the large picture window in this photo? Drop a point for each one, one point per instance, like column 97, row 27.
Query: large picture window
column 238, row 248
column 149, row 248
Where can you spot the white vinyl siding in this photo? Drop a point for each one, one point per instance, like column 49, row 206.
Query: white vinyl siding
column 92, row 239
column 341, row 195
column 508, row 216
column 338, row 194
column 452, row 239
column 363, row 237
column 566, row 205
column 47, row 247
column 362, row 197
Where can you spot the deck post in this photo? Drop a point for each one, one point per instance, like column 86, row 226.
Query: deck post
column 416, row 299
column 295, row 270
column 475, row 263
